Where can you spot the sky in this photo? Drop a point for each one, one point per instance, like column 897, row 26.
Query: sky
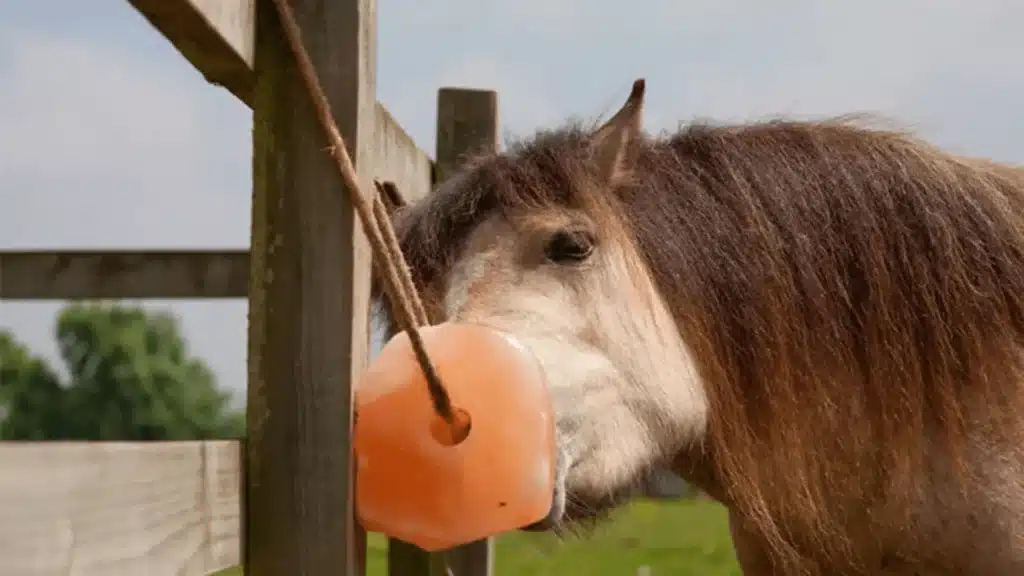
column 110, row 139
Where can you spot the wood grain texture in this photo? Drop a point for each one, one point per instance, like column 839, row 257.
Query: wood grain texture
column 71, row 275
column 113, row 508
column 397, row 158
column 467, row 123
column 216, row 36
column 309, row 293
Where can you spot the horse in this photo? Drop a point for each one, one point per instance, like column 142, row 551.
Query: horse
column 818, row 323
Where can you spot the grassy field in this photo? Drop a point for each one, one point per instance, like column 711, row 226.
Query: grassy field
column 689, row 537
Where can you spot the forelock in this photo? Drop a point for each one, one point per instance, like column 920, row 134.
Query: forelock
column 545, row 171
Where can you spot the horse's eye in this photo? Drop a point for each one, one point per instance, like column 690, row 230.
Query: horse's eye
column 569, row 247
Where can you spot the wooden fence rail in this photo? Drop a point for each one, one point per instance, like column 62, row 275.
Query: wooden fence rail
column 119, row 508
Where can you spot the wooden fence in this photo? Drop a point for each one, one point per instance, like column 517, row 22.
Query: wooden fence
column 119, row 508
column 280, row 503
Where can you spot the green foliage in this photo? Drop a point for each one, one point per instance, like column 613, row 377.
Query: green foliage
column 130, row 378
column 31, row 397
column 682, row 538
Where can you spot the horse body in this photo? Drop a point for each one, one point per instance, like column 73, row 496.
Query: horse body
column 819, row 325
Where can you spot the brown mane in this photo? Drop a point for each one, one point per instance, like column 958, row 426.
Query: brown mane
column 854, row 299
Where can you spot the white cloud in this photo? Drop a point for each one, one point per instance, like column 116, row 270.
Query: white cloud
column 553, row 18
column 522, row 100
column 89, row 108
column 946, row 68
column 104, row 148
column 526, row 18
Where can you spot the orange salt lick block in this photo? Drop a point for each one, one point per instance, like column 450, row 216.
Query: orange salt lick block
column 414, row 481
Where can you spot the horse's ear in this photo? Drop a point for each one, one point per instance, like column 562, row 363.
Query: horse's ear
column 613, row 142
column 390, row 196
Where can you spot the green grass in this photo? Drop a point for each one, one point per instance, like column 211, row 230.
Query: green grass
column 687, row 537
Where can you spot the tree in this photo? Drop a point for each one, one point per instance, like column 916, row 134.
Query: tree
column 130, row 378
column 31, row 397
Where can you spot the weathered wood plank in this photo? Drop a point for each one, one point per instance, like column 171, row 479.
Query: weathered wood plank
column 118, row 508
column 78, row 274
column 397, row 158
column 309, row 293
column 73, row 275
column 128, row 274
column 467, row 123
column 216, row 36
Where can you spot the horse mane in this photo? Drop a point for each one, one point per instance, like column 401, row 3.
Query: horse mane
column 543, row 170
column 854, row 300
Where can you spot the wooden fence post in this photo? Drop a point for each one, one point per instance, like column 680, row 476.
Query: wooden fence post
column 309, row 291
column 467, row 122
